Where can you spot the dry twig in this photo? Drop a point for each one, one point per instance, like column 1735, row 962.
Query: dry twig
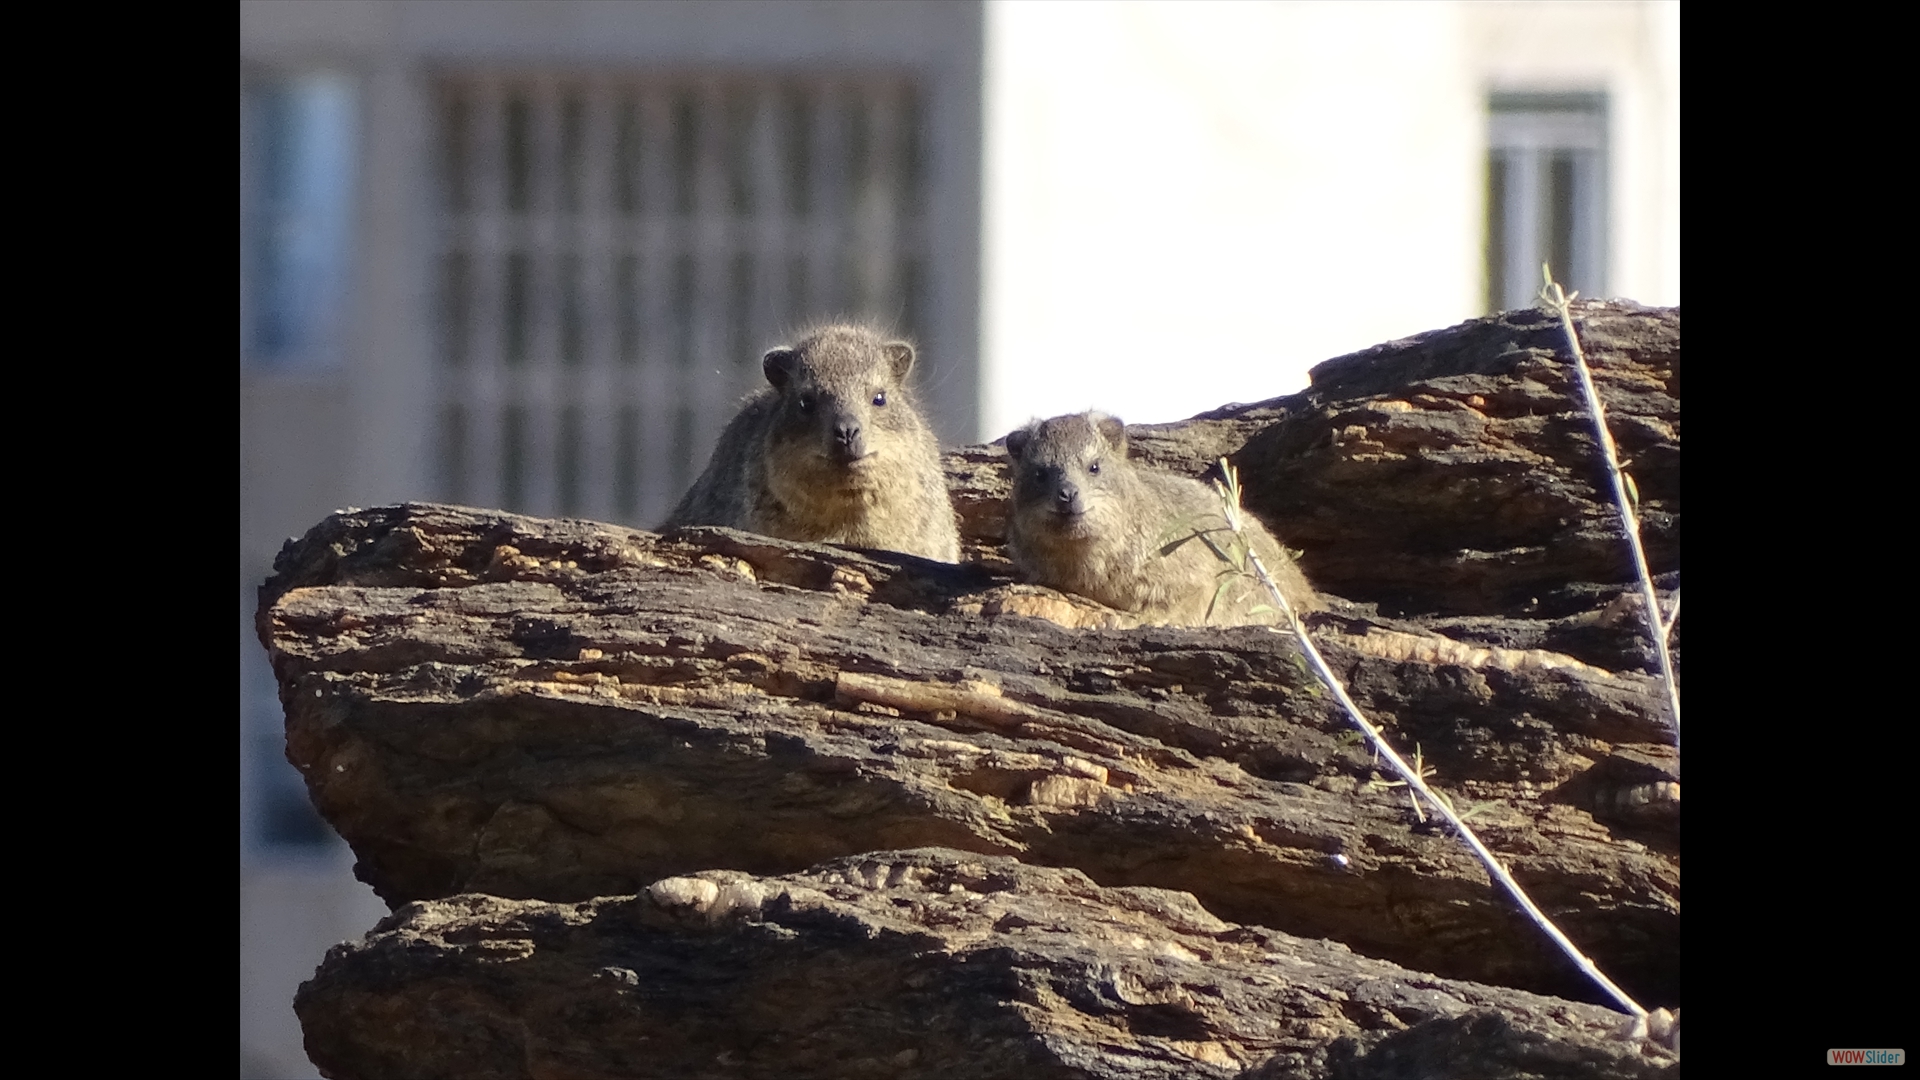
column 1624, row 498
column 1230, row 495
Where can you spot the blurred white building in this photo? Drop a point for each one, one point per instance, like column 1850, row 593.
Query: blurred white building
column 1190, row 204
column 526, row 253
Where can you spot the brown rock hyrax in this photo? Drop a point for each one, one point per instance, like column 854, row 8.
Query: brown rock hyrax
column 1086, row 520
column 833, row 450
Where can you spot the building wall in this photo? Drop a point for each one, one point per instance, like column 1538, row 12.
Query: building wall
column 1193, row 203
column 1631, row 51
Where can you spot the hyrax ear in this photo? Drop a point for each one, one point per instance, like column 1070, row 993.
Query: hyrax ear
column 1017, row 442
column 779, row 365
column 900, row 355
column 1112, row 430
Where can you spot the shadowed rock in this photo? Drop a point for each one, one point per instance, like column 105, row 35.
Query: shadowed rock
column 926, row 963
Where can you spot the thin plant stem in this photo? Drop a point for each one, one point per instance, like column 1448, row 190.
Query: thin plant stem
column 1231, row 497
column 1561, row 304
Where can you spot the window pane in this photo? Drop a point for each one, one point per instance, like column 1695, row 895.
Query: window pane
column 516, row 313
column 1496, row 231
column 1560, row 227
column 615, row 251
column 453, row 454
column 513, row 458
column 1546, row 199
column 626, row 156
column 298, row 140
column 456, row 307
column 626, row 463
column 686, row 154
column 627, row 302
column 567, row 461
column 519, row 146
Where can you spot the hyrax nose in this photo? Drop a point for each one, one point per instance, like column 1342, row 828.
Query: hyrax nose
column 850, row 438
column 1067, row 495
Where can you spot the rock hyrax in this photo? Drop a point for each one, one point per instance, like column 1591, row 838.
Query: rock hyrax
column 1086, row 520
column 834, row 450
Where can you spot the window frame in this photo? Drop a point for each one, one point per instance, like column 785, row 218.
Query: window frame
column 1531, row 136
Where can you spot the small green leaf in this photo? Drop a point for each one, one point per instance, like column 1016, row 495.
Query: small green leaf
column 1233, row 555
column 1218, row 591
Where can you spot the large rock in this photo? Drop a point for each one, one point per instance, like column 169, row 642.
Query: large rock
column 925, row 963
column 601, row 708
column 561, row 710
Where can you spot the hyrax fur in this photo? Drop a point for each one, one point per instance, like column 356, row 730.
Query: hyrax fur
column 834, row 450
column 1086, row 520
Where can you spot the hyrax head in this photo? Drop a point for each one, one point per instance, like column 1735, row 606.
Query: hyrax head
column 841, row 391
column 1065, row 466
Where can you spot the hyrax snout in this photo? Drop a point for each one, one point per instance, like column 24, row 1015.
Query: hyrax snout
column 833, row 449
column 1087, row 520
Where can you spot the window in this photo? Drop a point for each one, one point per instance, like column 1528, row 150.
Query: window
column 297, row 166
column 1546, row 195
column 615, row 255
column 299, row 135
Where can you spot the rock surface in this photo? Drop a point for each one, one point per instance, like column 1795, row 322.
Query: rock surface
column 555, row 711
column 593, row 724
column 926, row 963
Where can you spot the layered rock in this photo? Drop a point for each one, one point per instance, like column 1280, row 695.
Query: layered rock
column 556, row 711
column 923, row 963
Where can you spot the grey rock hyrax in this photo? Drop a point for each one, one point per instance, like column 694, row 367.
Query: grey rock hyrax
column 834, row 449
column 1086, row 520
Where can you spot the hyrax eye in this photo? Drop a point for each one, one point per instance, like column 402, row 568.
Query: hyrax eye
column 880, row 398
column 1094, row 468
column 806, row 403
